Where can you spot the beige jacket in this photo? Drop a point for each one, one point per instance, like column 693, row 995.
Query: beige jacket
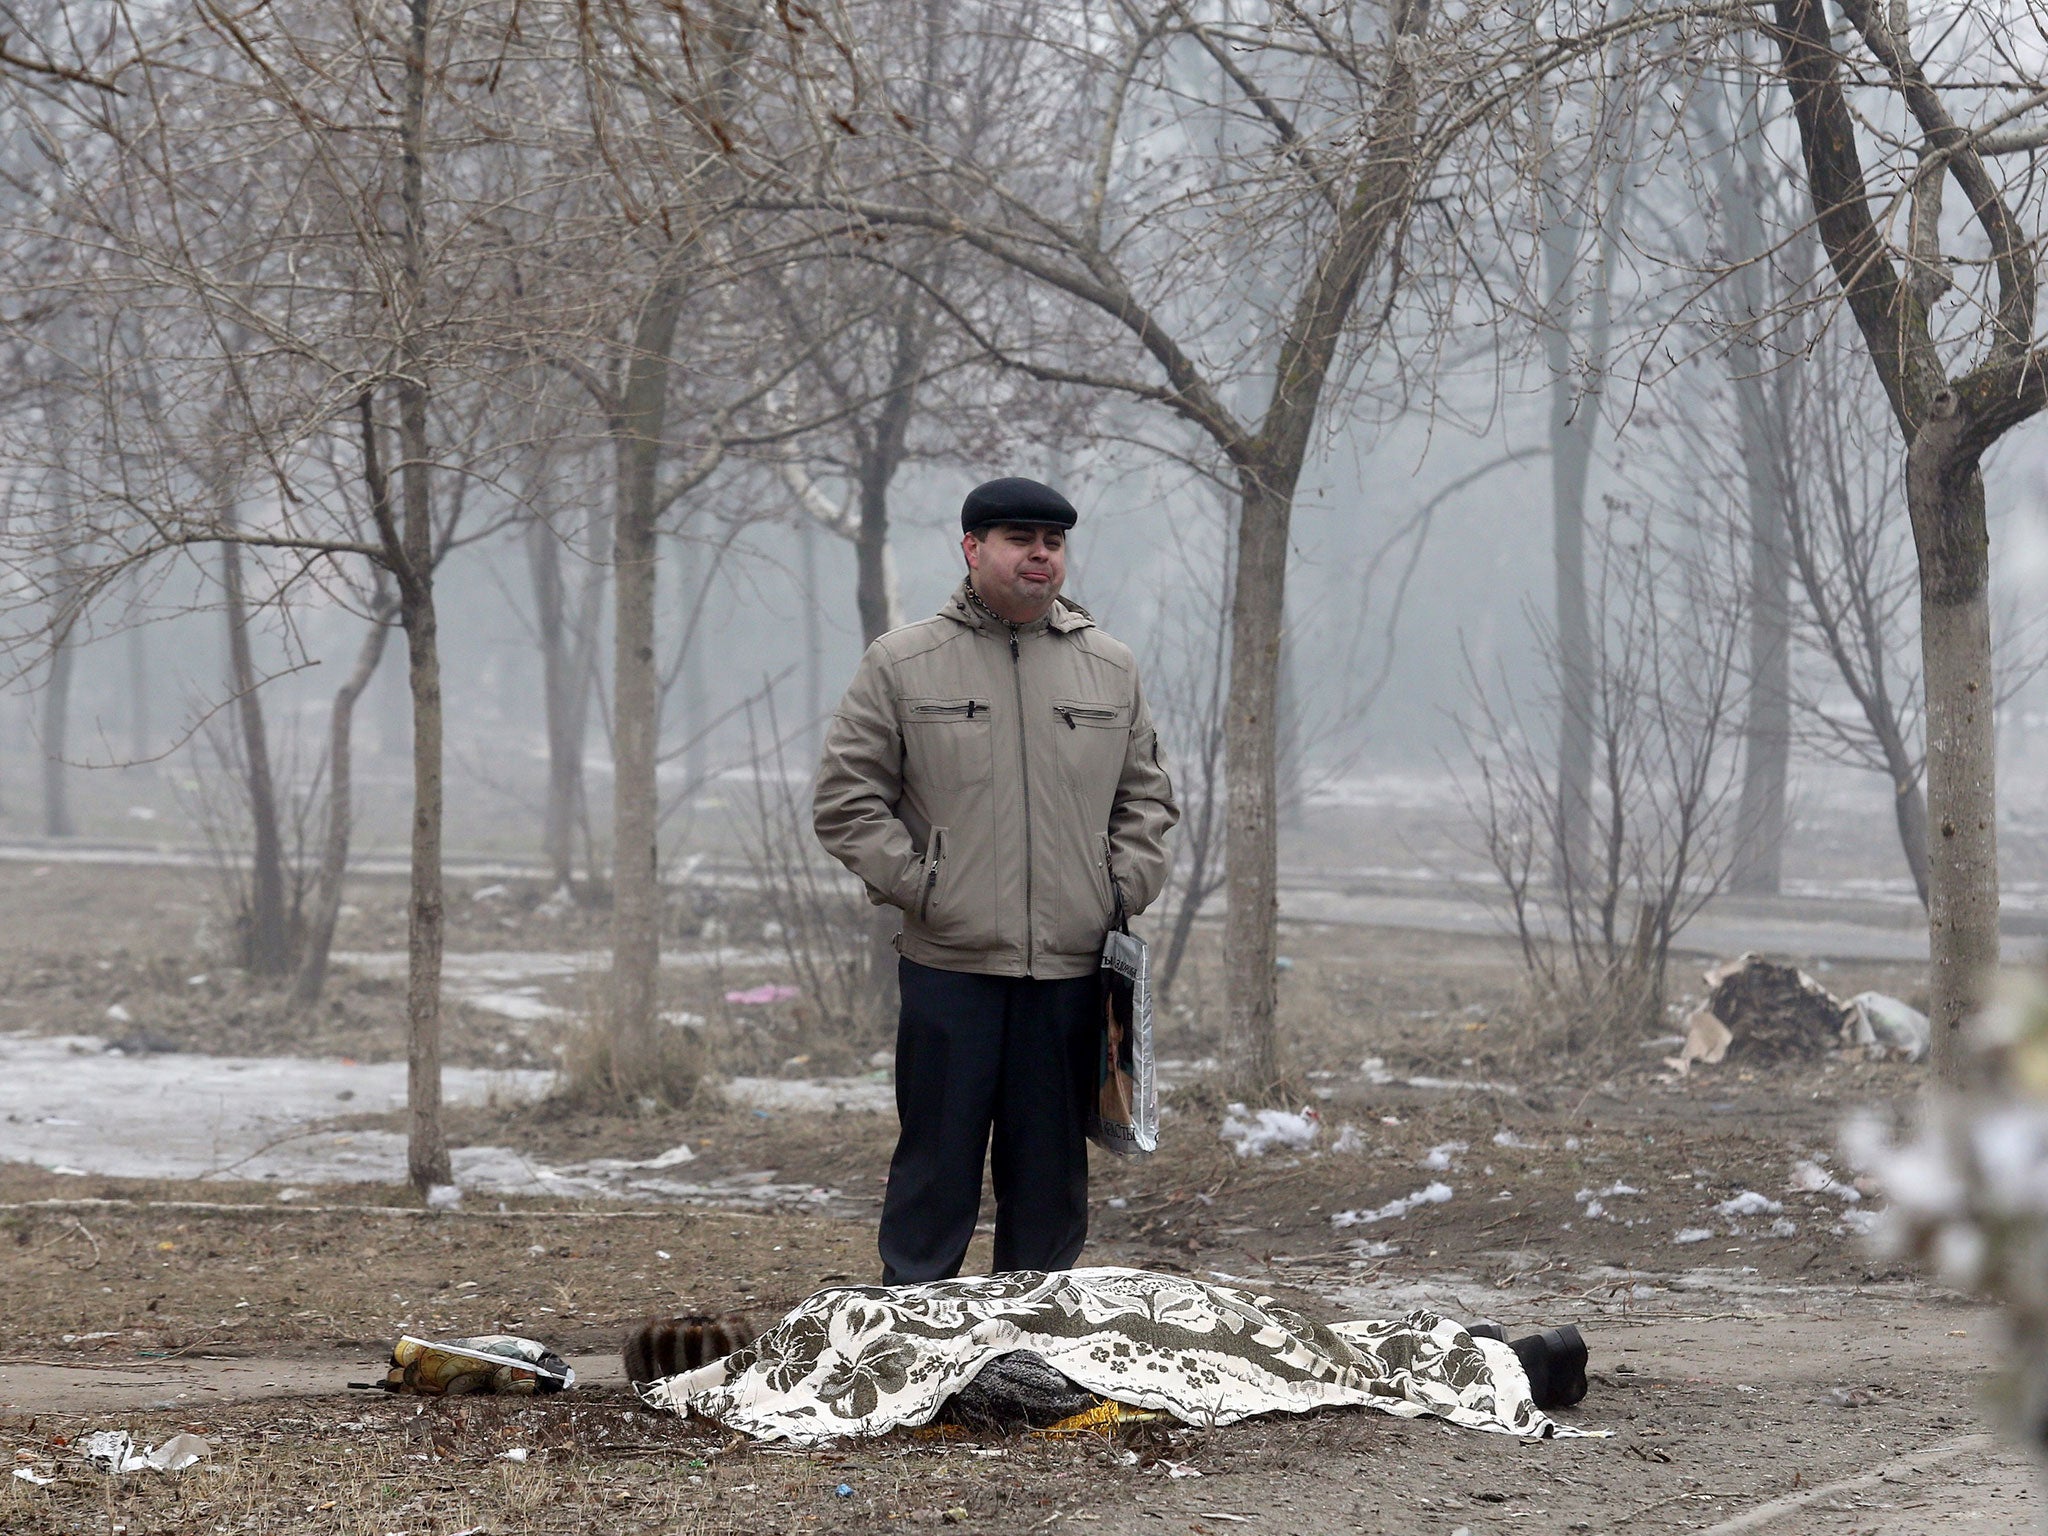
column 993, row 784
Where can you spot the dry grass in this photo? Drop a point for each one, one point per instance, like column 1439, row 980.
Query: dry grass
column 594, row 1466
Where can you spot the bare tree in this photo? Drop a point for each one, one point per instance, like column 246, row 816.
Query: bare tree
column 1949, row 412
column 1666, row 688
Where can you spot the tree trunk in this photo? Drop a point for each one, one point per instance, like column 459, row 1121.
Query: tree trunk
column 567, row 638
column 1767, row 727
column 268, row 950
column 814, row 640
column 1909, row 810
column 333, row 872
column 141, row 734
column 1767, row 724
column 427, row 1160
column 1955, row 640
column 1251, row 854
column 693, row 598
column 57, row 821
column 1574, row 417
column 636, row 1069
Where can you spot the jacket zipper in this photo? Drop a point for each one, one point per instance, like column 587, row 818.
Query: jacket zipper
column 966, row 709
column 1024, row 776
column 931, row 875
column 1068, row 712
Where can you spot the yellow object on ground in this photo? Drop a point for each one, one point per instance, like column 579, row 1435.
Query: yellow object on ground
column 498, row 1363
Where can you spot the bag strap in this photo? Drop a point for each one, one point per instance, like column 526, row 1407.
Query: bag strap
column 1122, row 924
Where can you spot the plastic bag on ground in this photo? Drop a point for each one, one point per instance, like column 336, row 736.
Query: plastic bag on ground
column 113, row 1450
column 1885, row 1026
column 499, row 1363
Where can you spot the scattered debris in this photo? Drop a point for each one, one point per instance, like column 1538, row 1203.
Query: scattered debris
column 1749, row 1203
column 1761, row 1011
column 1439, row 1156
column 113, row 1451
column 1254, row 1135
column 30, row 1475
column 767, row 992
column 1886, row 1027
column 1810, row 1178
column 500, row 1363
column 1431, row 1194
column 1706, row 1040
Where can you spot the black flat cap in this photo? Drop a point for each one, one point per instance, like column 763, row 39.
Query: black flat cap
column 1015, row 500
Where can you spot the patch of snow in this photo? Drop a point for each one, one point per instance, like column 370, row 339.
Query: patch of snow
column 1431, row 1194
column 67, row 1104
column 1439, row 1156
column 1784, row 1228
column 1749, row 1203
column 1254, row 1135
column 119, row 1015
column 1349, row 1139
column 1510, row 1139
column 522, row 1005
column 1810, row 1178
column 1373, row 1248
column 1692, row 1234
column 859, row 1094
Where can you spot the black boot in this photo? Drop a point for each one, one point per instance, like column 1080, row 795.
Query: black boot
column 1555, row 1362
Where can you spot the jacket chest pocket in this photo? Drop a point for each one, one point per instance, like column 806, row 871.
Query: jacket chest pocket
column 946, row 742
column 1092, row 737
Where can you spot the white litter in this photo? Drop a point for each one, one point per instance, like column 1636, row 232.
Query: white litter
column 1254, row 1135
column 1692, row 1234
column 517, row 1453
column 30, row 1475
column 119, row 1015
column 1809, row 1178
column 113, row 1451
column 1749, row 1203
column 1885, row 1026
column 1432, row 1194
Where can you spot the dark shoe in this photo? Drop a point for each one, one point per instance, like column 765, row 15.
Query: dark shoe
column 1492, row 1331
column 1555, row 1362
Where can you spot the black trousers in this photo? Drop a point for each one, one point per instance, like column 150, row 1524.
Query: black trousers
column 977, row 1055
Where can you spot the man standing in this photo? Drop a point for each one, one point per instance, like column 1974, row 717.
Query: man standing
column 993, row 771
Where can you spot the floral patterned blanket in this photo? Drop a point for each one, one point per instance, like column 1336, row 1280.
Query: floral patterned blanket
column 862, row 1360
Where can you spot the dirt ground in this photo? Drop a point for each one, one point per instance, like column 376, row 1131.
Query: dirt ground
column 1760, row 1368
